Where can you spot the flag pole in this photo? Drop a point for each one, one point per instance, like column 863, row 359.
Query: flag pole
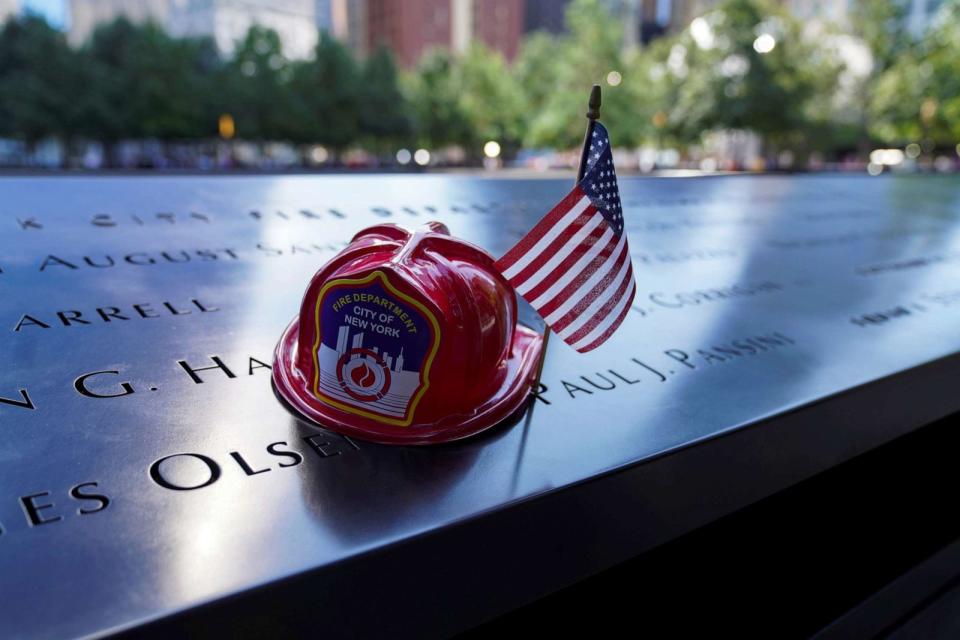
column 593, row 113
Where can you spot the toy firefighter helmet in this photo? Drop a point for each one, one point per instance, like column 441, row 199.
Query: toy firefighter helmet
column 407, row 337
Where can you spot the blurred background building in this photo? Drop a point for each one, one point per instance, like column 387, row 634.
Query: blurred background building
column 408, row 28
column 544, row 15
column 838, row 12
column 411, row 27
column 8, row 8
column 226, row 21
column 345, row 20
column 644, row 20
column 87, row 15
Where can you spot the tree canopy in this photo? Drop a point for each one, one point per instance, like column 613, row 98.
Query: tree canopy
column 743, row 65
column 917, row 98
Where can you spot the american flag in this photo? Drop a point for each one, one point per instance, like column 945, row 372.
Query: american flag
column 574, row 266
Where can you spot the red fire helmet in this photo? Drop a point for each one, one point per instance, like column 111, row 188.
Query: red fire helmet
column 407, row 337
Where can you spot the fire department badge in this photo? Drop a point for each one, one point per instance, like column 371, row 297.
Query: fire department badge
column 374, row 347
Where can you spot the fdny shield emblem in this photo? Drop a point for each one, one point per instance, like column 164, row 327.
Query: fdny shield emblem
column 374, row 348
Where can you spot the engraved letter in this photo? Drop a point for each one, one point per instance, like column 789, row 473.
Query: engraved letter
column 193, row 371
column 80, row 384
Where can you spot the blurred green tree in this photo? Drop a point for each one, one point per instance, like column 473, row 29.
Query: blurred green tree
column 882, row 26
column 536, row 69
column 110, row 51
column 466, row 101
column 917, row 99
column 384, row 114
column 586, row 56
column 147, row 85
column 490, row 100
column 253, row 88
column 745, row 66
column 434, row 93
column 651, row 94
column 327, row 92
column 42, row 88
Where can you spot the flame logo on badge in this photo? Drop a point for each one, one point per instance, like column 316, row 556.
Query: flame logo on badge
column 363, row 375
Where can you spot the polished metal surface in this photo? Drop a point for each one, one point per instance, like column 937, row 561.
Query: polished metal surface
column 771, row 311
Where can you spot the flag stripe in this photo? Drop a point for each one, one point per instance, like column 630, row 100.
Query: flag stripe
column 587, row 302
column 582, row 286
column 586, row 319
column 614, row 296
column 553, row 248
column 580, row 271
column 595, row 224
column 512, row 266
column 549, row 220
column 613, row 326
